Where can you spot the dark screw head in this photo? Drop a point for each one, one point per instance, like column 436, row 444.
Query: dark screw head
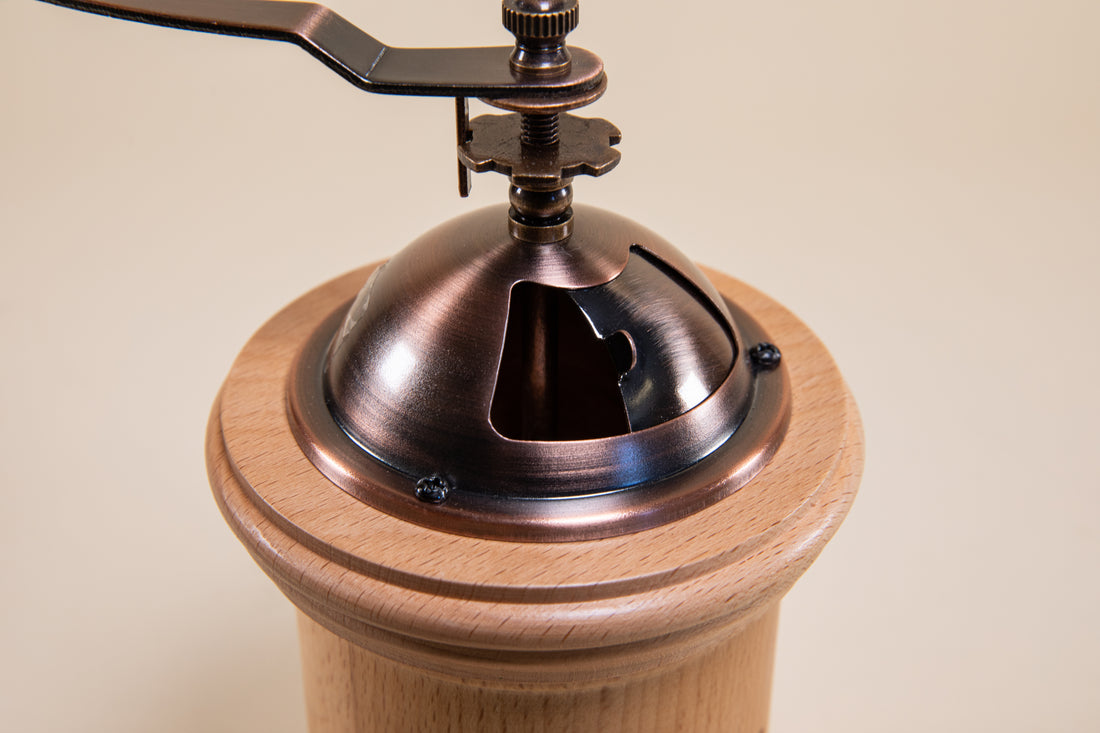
column 765, row 356
column 433, row 489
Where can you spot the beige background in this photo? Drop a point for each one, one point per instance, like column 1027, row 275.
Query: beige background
column 920, row 181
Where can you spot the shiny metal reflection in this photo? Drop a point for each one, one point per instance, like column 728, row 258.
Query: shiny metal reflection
column 407, row 382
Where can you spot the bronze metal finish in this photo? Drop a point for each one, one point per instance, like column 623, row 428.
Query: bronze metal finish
column 533, row 372
column 359, row 57
column 539, row 78
column 579, row 146
column 406, row 383
column 540, row 28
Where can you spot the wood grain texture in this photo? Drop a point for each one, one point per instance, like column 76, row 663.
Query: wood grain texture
column 727, row 689
column 520, row 616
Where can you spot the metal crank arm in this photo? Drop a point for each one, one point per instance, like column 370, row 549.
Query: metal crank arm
column 359, row 57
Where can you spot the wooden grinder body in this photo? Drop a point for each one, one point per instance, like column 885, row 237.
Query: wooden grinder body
column 404, row 627
column 453, row 575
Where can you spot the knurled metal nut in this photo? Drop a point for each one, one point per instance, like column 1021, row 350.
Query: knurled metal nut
column 525, row 20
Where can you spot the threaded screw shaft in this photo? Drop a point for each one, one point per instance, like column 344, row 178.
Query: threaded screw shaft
column 539, row 129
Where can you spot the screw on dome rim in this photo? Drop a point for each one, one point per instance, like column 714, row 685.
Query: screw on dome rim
column 386, row 434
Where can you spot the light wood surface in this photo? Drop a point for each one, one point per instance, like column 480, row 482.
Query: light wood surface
column 919, row 181
column 674, row 607
column 350, row 689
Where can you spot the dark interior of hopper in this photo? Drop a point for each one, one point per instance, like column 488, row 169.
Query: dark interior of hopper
column 558, row 380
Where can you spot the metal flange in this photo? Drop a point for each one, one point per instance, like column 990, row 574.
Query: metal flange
column 584, row 147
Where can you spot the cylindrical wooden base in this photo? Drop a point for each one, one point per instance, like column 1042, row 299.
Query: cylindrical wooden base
column 411, row 628
column 725, row 688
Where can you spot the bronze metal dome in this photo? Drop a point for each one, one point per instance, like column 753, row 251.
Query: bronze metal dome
column 518, row 388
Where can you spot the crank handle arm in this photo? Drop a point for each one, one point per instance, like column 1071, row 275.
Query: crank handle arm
column 357, row 56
